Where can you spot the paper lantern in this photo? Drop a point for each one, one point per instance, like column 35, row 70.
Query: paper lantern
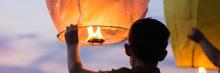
column 108, row 21
column 181, row 16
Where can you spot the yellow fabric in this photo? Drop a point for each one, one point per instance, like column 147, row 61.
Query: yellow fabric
column 181, row 16
column 119, row 13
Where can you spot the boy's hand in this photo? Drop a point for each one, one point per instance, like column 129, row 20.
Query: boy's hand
column 71, row 35
column 196, row 35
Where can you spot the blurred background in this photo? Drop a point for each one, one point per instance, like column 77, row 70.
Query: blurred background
column 28, row 42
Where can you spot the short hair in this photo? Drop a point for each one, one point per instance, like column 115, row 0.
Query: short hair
column 148, row 39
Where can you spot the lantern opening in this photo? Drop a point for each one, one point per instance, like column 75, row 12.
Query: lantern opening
column 202, row 70
column 94, row 37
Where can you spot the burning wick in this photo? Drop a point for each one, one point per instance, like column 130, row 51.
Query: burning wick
column 94, row 37
column 202, row 70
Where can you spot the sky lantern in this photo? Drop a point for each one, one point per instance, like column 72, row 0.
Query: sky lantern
column 99, row 21
column 181, row 16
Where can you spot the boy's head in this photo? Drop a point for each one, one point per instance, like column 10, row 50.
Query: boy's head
column 148, row 39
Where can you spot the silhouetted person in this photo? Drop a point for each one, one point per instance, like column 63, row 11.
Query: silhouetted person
column 147, row 43
column 211, row 51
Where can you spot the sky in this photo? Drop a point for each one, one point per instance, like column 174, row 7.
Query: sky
column 28, row 42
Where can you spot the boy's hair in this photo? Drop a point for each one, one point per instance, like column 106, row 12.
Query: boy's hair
column 148, row 39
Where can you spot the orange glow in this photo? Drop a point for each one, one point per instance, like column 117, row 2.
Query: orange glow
column 109, row 18
column 181, row 16
column 202, row 70
column 94, row 37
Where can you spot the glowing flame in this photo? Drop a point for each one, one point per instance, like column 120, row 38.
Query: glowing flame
column 94, row 37
column 202, row 70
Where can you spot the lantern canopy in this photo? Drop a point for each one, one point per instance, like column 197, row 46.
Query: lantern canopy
column 109, row 18
column 181, row 17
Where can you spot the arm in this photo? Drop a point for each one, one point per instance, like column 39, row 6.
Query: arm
column 74, row 63
column 212, row 52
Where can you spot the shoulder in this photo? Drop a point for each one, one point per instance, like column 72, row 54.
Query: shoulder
column 120, row 70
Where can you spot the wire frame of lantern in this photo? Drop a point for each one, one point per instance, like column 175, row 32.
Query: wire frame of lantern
column 99, row 35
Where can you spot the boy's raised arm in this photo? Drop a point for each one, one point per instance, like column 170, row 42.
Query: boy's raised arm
column 72, row 40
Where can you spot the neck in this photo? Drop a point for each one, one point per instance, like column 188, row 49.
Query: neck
column 137, row 62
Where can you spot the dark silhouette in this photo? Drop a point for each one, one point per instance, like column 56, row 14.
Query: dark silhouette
column 147, row 42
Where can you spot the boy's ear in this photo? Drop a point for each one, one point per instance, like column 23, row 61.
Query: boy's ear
column 127, row 49
column 163, row 55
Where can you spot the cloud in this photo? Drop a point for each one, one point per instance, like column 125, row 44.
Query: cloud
column 49, row 56
column 3, row 42
column 34, row 53
column 27, row 36
column 6, row 69
column 6, row 40
column 104, row 57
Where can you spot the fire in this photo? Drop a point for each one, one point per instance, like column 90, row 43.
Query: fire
column 94, row 37
column 202, row 70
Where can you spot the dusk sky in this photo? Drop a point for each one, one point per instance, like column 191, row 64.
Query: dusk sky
column 28, row 42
